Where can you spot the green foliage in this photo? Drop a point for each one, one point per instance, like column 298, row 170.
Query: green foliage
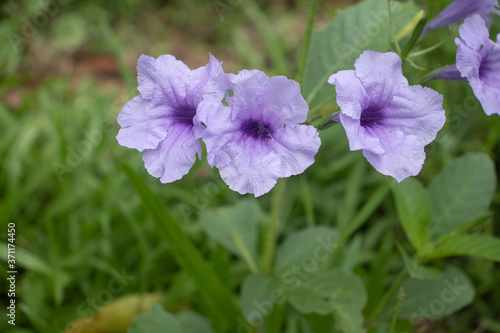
column 461, row 191
column 234, row 227
column 333, row 292
column 414, row 210
column 365, row 26
column 317, row 244
column 436, row 298
column 478, row 245
column 160, row 320
column 89, row 230
column 417, row 271
column 216, row 296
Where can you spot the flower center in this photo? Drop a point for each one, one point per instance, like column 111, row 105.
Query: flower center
column 371, row 116
column 184, row 115
column 257, row 129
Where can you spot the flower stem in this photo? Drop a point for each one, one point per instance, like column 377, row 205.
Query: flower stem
column 272, row 231
column 307, row 41
column 397, row 310
column 388, row 295
column 244, row 252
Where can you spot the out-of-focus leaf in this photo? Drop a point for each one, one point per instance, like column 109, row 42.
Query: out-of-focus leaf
column 414, row 209
column 336, row 292
column 461, row 191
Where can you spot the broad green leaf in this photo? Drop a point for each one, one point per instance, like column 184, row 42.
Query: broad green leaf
column 336, row 292
column 158, row 320
column 414, row 210
column 306, row 249
column 477, row 245
column 436, row 298
column 233, row 225
column 418, row 271
column 259, row 295
column 216, row 295
column 192, row 322
column 365, row 26
column 461, row 191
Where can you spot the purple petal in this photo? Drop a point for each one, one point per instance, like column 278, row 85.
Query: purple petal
column 486, row 87
column 468, row 60
column 403, row 156
column 295, row 147
column 163, row 80
column 143, row 125
column 200, row 76
column 254, row 169
column 174, row 156
column 360, row 137
column 475, row 33
column 450, row 73
column 351, row 95
column 218, row 137
column 459, row 10
column 282, row 101
column 381, row 76
column 255, row 165
column 416, row 111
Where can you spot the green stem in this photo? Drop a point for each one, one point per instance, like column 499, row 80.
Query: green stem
column 388, row 295
column 307, row 41
column 397, row 310
column 272, row 231
column 308, row 205
column 244, row 252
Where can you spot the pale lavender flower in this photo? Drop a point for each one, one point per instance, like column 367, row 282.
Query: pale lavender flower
column 382, row 115
column 160, row 119
column 255, row 136
column 461, row 9
column 478, row 60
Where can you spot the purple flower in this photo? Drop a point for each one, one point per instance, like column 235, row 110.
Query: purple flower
column 160, row 119
column 389, row 120
column 478, row 60
column 254, row 137
column 460, row 9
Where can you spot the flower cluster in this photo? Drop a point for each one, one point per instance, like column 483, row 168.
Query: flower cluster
column 253, row 126
column 250, row 123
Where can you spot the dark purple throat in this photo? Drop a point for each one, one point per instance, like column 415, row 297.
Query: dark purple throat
column 371, row 116
column 184, row 115
column 257, row 129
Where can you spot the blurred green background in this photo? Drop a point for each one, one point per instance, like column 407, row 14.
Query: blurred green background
column 66, row 69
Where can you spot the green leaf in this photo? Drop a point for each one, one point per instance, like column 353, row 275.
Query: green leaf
column 418, row 271
column 414, row 209
column 312, row 246
column 360, row 27
column 461, row 191
column 158, row 320
column 477, row 245
column 336, row 292
column 227, row 223
column 436, row 298
column 259, row 295
column 216, row 295
column 192, row 322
